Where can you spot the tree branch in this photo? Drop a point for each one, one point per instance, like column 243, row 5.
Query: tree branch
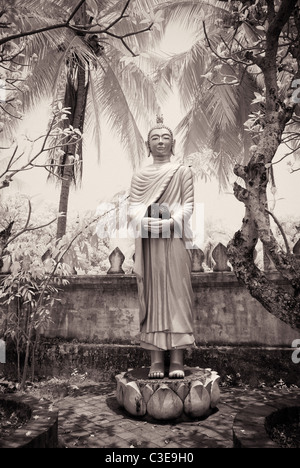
column 239, row 171
column 121, row 15
column 26, row 228
column 116, row 36
column 223, row 59
column 285, row 10
column 84, row 30
column 288, row 250
column 66, row 24
column 271, row 10
column 295, row 170
column 10, row 172
column 240, row 192
column 6, row 39
column 75, row 11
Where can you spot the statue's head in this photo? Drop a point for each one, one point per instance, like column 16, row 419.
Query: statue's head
column 160, row 132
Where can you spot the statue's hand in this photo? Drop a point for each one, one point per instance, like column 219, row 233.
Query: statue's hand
column 158, row 226
column 145, row 224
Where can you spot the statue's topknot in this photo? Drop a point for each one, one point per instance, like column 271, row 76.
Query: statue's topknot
column 160, row 119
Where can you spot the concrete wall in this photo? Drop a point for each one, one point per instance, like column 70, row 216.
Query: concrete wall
column 104, row 309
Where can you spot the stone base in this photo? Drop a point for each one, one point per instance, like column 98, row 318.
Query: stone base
column 41, row 429
column 195, row 396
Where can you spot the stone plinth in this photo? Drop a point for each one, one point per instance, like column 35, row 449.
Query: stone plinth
column 195, row 396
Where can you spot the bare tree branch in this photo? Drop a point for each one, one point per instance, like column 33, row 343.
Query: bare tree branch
column 6, row 39
column 223, row 59
column 86, row 29
column 75, row 11
column 288, row 250
column 11, row 170
column 27, row 228
column 271, row 9
column 66, row 24
column 279, row 20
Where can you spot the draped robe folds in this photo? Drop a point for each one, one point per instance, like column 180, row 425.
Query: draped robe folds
column 163, row 264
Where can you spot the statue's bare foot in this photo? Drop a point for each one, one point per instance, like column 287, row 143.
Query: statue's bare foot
column 157, row 371
column 176, row 371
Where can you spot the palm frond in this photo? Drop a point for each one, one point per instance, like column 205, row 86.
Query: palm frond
column 222, row 166
column 37, row 85
column 53, row 7
column 228, row 143
column 44, row 77
column 147, row 5
column 115, row 107
column 186, row 69
column 140, row 91
column 221, row 101
column 191, row 12
column 193, row 129
column 93, row 114
column 136, row 41
column 191, row 73
column 211, row 122
column 164, row 86
column 40, row 84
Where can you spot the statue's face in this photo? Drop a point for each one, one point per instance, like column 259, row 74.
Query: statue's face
column 160, row 142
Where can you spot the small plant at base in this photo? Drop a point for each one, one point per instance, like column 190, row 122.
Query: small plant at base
column 280, row 384
column 30, row 296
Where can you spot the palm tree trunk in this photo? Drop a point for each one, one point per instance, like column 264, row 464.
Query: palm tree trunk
column 78, row 108
column 64, row 198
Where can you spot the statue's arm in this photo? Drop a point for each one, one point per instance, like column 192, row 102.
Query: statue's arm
column 183, row 212
column 187, row 190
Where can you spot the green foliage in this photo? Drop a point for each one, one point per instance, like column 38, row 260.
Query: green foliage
column 29, row 297
column 26, row 153
column 28, row 294
column 87, row 255
column 14, row 208
column 38, row 266
column 291, row 227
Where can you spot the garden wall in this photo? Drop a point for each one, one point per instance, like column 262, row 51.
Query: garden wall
column 104, row 309
column 95, row 328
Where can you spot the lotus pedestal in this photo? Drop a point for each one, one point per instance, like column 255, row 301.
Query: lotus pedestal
column 195, row 396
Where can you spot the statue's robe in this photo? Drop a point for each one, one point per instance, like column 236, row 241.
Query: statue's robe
column 163, row 264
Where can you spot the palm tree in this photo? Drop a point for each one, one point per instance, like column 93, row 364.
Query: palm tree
column 84, row 70
column 216, row 97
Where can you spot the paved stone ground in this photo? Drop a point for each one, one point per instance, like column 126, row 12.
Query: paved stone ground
column 93, row 419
